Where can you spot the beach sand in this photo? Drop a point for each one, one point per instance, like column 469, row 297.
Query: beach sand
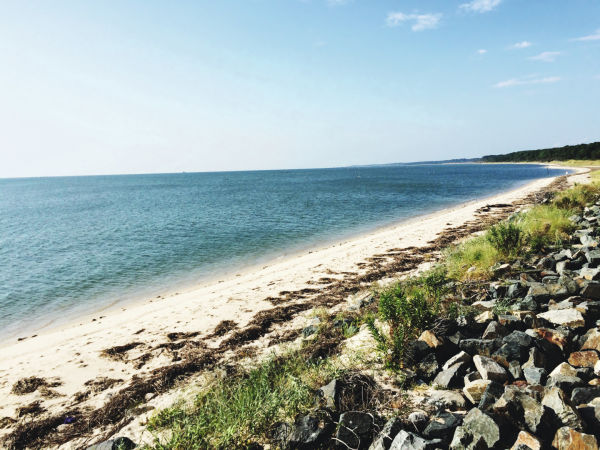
column 72, row 354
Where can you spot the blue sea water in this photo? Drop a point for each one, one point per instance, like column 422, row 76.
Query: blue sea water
column 73, row 244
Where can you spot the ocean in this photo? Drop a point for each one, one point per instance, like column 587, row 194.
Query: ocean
column 72, row 245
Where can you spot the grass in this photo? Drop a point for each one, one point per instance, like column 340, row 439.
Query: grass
column 233, row 411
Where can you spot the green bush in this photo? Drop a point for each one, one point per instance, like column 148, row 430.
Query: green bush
column 404, row 316
column 506, row 237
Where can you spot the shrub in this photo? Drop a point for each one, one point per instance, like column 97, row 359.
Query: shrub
column 577, row 197
column 545, row 225
column 404, row 316
column 506, row 237
column 471, row 259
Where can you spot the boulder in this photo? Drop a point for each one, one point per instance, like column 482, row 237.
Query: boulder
column 562, row 407
column 564, row 369
column 581, row 395
column 311, row 431
column 510, row 352
column 355, row 430
column 585, row 358
column 490, row 369
column 418, row 419
column 477, row 431
column 479, row 346
column 494, row 330
column 536, row 359
column 591, row 290
column 385, row 437
column 410, row 441
column 568, row 439
column 430, row 339
column 555, row 337
column 525, row 412
column 461, row 357
column 526, row 440
column 120, row 443
column 475, row 389
column 491, row 394
column 441, row 399
column 442, row 426
column 329, row 394
column 592, row 340
column 535, row 375
column 428, row 367
column 450, row 377
column 514, row 368
column 565, row 382
column 566, row 317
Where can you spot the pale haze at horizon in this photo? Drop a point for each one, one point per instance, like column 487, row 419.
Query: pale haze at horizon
column 147, row 86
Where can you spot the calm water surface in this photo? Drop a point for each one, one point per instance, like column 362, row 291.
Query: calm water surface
column 73, row 244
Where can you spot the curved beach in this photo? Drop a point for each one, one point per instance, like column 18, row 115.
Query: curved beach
column 75, row 354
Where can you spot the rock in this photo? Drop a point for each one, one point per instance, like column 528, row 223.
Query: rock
column 280, row 434
column 354, row 430
column 385, row 437
column 441, row 426
column 518, row 337
column 451, row 400
column 514, row 368
column 461, row 357
column 536, row 359
column 430, row 339
column 310, row 431
column 120, row 443
column 585, row 358
column 510, row 352
column 417, row 350
column 589, row 274
column 359, row 300
column 567, row 414
column 410, row 441
column 491, row 394
column 490, row 369
column 477, row 431
column 564, row 369
column 510, row 321
column 450, row 377
column 527, row 441
column 494, row 330
column 475, row 389
column 479, row 346
column 565, row 382
column 592, row 340
column 525, row 412
column 555, row 337
column 535, row 375
column 591, row 290
column 543, row 292
column 581, row 395
column 593, row 257
column 484, row 317
column 568, row 439
column 566, row 317
column 418, row 419
column 330, row 394
column 428, row 367
column 484, row 305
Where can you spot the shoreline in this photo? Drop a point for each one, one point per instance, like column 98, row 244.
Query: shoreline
column 240, row 269
column 73, row 355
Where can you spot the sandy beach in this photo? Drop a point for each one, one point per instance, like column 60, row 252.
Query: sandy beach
column 74, row 357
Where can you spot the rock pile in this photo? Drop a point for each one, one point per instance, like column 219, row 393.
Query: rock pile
column 521, row 372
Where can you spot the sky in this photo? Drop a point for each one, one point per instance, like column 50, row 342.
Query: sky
column 125, row 86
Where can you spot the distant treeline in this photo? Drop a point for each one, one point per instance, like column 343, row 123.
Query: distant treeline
column 581, row 151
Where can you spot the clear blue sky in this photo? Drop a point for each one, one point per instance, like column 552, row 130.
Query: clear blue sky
column 89, row 87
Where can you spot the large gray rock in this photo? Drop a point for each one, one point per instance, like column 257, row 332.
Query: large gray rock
column 566, row 317
column 329, row 394
column 525, row 412
column 441, row 399
column 355, row 430
column 491, row 394
column 567, row 414
column 581, row 395
column 120, row 443
column 441, row 426
column 535, row 375
column 310, row 431
column 461, row 357
column 490, row 369
column 387, row 434
column 410, row 441
column 591, row 290
column 450, row 377
column 477, row 431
